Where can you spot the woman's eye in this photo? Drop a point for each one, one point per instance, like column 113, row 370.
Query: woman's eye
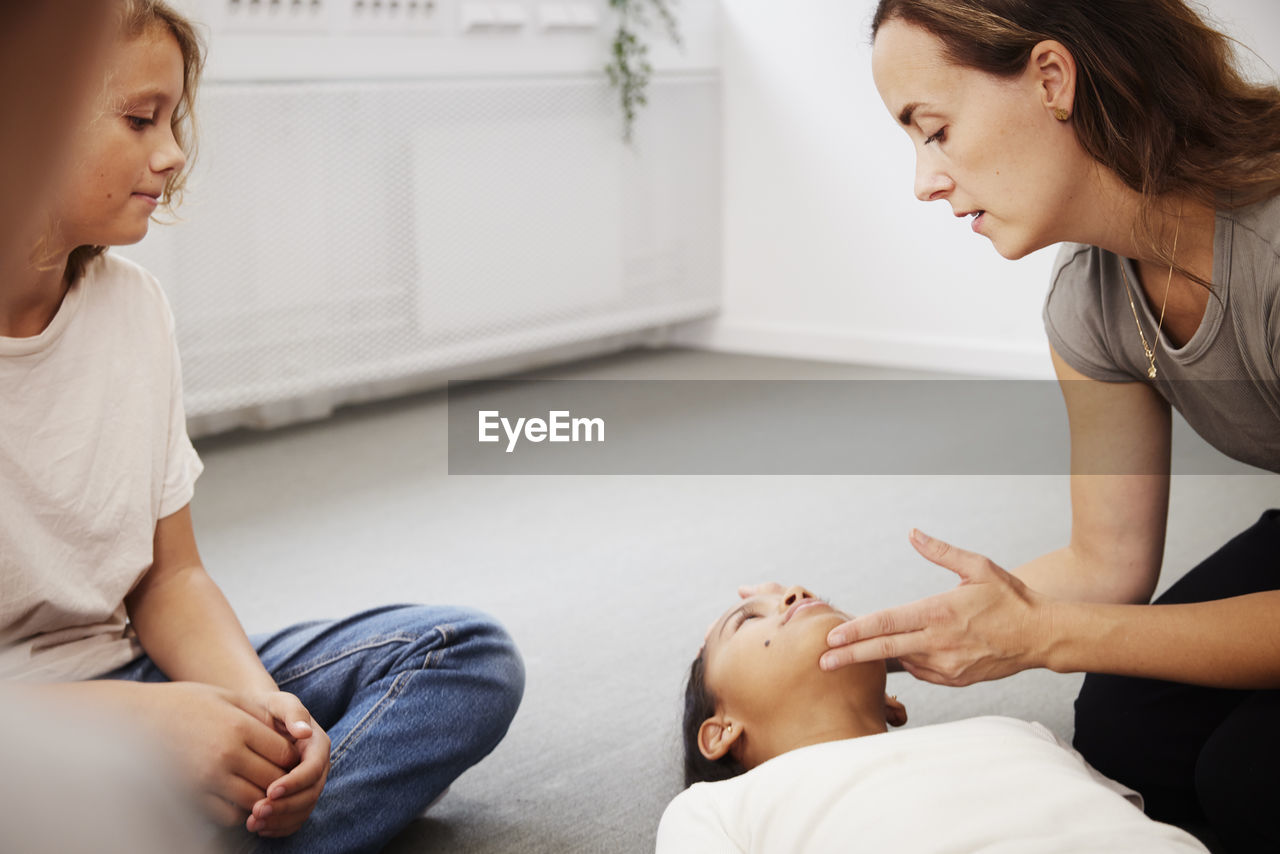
column 139, row 122
column 940, row 136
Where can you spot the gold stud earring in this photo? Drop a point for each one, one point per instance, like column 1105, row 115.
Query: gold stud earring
column 1061, row 114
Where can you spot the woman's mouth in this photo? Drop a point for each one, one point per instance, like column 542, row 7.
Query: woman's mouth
column 976, row 223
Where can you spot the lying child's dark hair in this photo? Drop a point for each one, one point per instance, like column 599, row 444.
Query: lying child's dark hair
column 699, row 704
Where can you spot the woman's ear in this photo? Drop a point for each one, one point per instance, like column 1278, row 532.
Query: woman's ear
column 1055, row 75
column 895, row 714
column 717, row 735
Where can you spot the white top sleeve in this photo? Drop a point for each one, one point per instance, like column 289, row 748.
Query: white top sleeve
column 182, row 464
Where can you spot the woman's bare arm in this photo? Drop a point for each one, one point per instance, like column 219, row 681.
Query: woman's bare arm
column 1120, row 441
column 1228, row 643
column 1076, row 609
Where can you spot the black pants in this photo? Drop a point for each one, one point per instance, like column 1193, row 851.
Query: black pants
column 1198, row 755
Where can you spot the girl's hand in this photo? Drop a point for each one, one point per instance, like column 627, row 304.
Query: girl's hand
column 228, row 754
column 290, row 799
column 990, row 626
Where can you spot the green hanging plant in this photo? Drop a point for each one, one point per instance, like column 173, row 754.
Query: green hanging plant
column 629, row 68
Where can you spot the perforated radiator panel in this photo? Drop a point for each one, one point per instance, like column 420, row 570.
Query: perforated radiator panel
column 336, row 235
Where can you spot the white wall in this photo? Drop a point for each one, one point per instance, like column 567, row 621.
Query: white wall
column 254, row 43
column 828, row 254
column 375, row 213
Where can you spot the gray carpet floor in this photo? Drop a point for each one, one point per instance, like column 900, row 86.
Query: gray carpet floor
column 607, row 582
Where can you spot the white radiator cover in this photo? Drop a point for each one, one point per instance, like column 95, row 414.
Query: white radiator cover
column 342, row 240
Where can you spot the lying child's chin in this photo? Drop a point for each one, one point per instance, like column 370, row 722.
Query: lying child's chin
column 820, row 627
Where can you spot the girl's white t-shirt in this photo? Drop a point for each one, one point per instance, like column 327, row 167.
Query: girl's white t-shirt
column 993, row 785
column 93, row 452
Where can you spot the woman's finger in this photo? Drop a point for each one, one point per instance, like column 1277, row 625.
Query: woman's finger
column 874, row 649
column 891, row 621
column 970, row 566
column 924, row 674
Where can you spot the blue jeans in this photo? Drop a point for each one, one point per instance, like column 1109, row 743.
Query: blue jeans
column 411, row 696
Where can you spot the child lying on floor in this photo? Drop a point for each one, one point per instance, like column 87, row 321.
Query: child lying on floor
column 782, row 756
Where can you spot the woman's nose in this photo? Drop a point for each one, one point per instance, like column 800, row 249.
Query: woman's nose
column 793, row 595
column 931, row 182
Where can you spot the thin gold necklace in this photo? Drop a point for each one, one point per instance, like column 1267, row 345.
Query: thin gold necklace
column 1146, row 348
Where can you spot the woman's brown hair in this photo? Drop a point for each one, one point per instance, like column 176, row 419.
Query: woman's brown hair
column 1159, row 98
column 136, row 19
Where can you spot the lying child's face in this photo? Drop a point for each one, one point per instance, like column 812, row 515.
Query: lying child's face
column 757, row 691
column 769, row 646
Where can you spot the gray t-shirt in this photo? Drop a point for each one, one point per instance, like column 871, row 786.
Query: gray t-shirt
column 1225, row 380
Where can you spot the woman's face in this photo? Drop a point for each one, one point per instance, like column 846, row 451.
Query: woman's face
column 127, row 150
column 990, row 146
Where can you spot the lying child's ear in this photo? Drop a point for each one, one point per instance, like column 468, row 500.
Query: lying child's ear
column 895, row 714
column 716, row 736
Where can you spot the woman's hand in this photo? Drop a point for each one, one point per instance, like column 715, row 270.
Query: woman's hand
column 291, row 798
column 990, row 626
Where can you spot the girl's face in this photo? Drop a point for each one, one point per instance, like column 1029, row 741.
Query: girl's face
column 767, row 645
column 990, row 146
column 761, row 662
column 127, row 150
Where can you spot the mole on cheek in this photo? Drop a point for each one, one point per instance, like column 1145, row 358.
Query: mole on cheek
column 766, row 643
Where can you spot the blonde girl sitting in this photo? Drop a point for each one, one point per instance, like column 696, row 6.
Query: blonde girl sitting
column 327, row 736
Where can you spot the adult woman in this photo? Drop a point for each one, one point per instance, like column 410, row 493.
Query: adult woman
column 1123, row 128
